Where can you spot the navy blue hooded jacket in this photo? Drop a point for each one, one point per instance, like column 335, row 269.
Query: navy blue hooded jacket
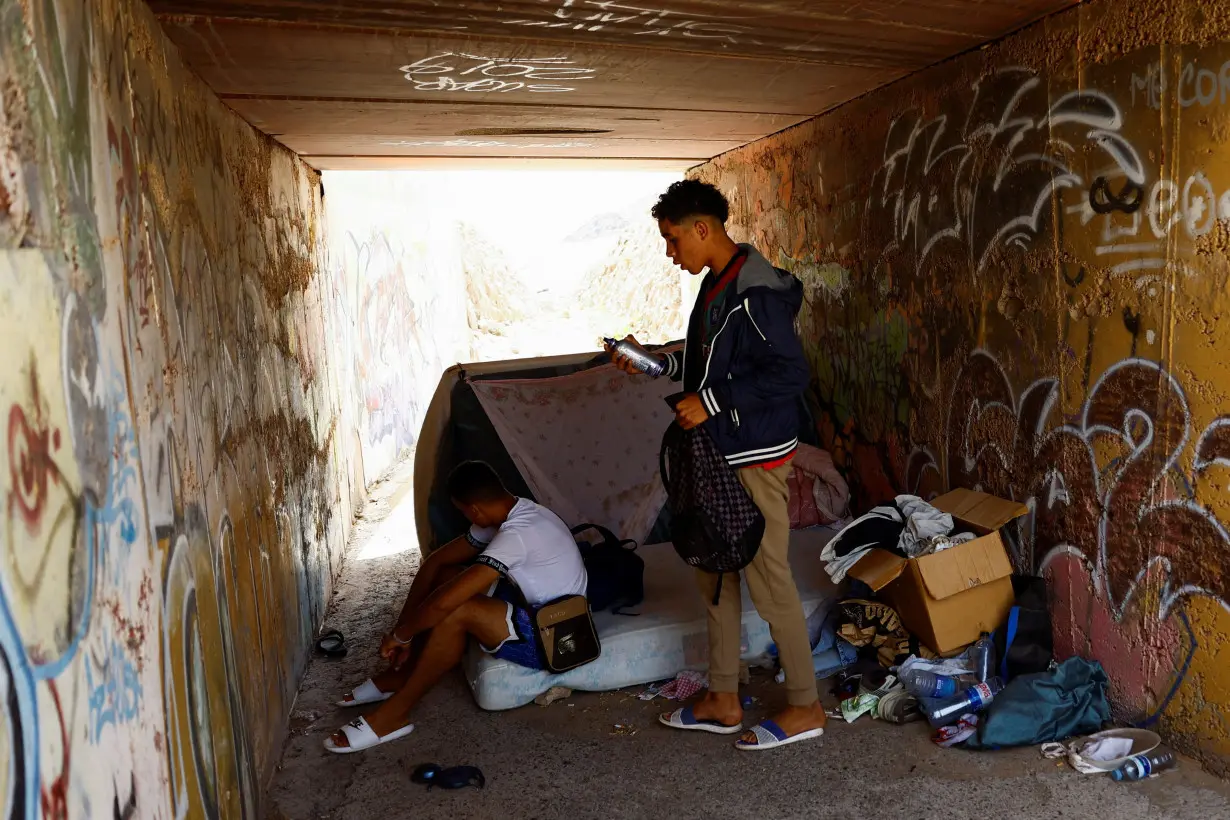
column 756, row 372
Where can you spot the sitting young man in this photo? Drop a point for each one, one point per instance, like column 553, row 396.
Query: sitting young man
column 462, row 589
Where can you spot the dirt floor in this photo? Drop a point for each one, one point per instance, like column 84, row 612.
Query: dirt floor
column 604, row 755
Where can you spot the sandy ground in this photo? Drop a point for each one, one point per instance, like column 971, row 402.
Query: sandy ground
column 569, row 760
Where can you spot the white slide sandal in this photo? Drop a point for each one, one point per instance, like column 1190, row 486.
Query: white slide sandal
column 365, row 692
column 360, row 735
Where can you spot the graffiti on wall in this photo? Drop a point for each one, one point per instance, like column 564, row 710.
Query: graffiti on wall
column 170, row 518
column 1015, row 289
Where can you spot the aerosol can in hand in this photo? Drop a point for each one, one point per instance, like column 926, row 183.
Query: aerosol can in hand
column 641, row 359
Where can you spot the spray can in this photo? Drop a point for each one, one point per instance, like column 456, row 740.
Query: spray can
column 641, row 359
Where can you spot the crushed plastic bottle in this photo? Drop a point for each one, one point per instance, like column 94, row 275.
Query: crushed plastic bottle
column 1138, row 767
column 923, row 684
column 974, row 699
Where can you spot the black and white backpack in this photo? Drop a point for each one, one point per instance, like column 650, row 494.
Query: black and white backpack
column 715, row 525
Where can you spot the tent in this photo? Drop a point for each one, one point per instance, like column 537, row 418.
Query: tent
column 488, row 411
column 581, row 438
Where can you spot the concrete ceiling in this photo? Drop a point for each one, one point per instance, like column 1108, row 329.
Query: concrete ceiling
column 652, row 83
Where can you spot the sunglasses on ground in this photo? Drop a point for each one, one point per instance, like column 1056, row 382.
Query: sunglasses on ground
column 457, row 777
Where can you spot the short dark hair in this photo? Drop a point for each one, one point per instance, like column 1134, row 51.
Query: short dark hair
column 473, row 482
column 690, row 198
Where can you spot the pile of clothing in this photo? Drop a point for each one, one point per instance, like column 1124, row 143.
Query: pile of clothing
column 909, row 527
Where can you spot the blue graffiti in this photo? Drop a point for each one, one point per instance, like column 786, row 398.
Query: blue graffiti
column 116, row 512
column 115, row 693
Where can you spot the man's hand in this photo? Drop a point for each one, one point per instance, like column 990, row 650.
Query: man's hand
column 393, row 651
column 623, row 362
column 690, row 412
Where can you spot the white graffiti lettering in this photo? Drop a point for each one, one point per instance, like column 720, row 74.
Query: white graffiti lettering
column 1011, row 144
column 464, row 143
column 1196, row 86
column 488, row 74
column 596, row 15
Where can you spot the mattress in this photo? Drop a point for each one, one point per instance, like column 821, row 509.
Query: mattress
column 669, row 634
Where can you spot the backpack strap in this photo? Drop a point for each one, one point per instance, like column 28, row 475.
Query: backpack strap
column 1014, row 616
column 608, row 537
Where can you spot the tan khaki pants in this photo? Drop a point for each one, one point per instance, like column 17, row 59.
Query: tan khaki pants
column 772, row 588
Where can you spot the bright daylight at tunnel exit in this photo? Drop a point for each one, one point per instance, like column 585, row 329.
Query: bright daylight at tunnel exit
column 605, row 408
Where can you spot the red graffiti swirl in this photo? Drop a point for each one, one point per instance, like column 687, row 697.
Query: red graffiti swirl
column 30, row 467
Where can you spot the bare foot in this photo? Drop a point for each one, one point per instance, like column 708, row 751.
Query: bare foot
column 390, row 680
column 383, row 721
column 795, row 720
column 724, row 707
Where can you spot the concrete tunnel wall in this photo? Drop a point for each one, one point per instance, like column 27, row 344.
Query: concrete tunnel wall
column 1016, row 271
column 179, row 461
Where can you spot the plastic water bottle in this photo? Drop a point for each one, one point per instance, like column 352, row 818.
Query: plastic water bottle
column 983, row 657
column 641, row 359
column 973, row 699
column 923, row 684
column 1138, row 767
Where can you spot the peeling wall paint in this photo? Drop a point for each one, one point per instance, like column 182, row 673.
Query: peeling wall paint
column 174, row 465
column 1016, row 268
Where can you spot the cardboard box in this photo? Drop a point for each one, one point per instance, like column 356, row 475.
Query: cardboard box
column 949, row 598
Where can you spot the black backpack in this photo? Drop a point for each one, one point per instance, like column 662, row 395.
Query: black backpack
column 715, row 525
column 616, row 573
column 1023, row 645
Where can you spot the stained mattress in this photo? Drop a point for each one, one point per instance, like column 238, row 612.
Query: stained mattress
column 668, row 635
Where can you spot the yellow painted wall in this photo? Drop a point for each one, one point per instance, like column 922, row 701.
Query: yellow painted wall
column 176, row 478
column 1016, row 271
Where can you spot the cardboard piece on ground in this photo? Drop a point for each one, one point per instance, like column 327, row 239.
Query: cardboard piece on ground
column 949, row 598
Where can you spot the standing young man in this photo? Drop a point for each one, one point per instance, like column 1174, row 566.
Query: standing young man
column 743, row 371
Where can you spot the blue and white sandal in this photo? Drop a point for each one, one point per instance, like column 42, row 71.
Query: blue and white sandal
column 685, row 719
column 769, row 736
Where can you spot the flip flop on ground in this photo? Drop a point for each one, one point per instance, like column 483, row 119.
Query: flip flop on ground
column 685, row 719
column 365, row 692
column 360, row 735
column 769, row 736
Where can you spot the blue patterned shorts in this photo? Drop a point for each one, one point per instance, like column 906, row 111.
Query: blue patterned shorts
column 520, row 648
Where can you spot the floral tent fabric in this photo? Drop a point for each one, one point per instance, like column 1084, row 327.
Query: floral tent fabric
column 586, row 443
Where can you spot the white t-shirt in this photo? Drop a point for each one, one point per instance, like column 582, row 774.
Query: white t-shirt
column 537, row 550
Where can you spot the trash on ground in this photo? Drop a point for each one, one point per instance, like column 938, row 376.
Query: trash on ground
column 1092, row 754
column 898, row 706
column 958, row 732
column 1138, row 767
column 624, row 730
column 970, row 701
column 552, row 695
column 945, row 599
column 854, row 708
column 686, row 684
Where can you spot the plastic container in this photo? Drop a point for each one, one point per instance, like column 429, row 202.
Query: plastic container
column 1138, row 767
column 923, row 684
column 974, row 699
column 982, row 658
column 641, row 359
